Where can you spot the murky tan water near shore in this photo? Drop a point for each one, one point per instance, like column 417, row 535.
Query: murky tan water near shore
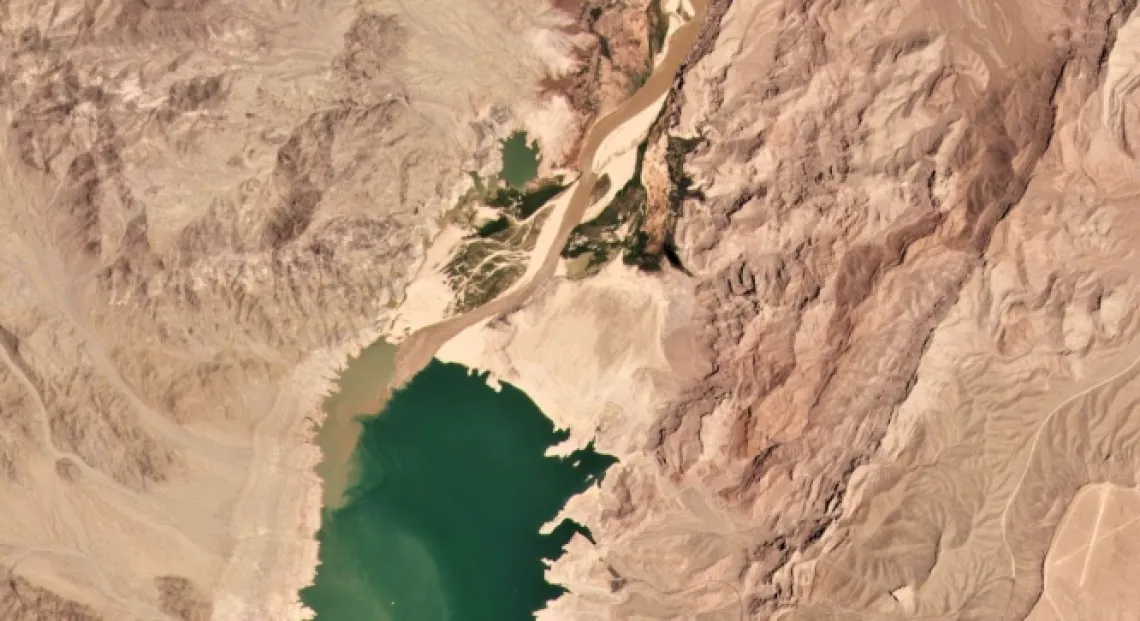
column 361, row 390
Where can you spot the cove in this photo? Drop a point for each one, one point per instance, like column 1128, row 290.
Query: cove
column 448, row 490
column 520, row 160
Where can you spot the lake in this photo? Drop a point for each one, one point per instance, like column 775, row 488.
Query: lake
column 520, row 160
column 359, row 390
column 448, row 489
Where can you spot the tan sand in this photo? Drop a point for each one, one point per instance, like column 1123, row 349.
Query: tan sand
column 285, row 494
column 1091, row 566
column 607, row 135
column 427, row 297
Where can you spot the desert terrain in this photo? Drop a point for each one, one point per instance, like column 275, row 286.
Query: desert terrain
column 847, row 286
column 889, row 371
column 207, row 207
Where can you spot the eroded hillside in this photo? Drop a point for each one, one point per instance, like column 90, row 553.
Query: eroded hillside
column 900, row 335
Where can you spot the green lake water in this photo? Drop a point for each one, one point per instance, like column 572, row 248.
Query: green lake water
column 449, row 488
column 520, row 160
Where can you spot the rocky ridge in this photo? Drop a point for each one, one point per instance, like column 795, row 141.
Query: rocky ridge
column 901, row 340
column 897, row 235
column 894, row 347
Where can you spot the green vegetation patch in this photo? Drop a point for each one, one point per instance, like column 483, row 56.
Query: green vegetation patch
column 636, row 247
column 492, row 278
column 635, row 253
column 467, row 259
column 658, row 28
column 682, row 185
column 604, row 48
column 522, row 204
column 603, row 237
column 601, row 188
column 603, row 231
column 529, row 232
column 479, row 271
column 488, row 262
column 619, row 228
column 493, row 227
column 492, row 257
column 533, row 200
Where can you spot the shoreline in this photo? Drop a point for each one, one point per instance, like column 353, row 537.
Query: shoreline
column 542, row 350
column 286, row 456
column 325, row 366
column 420, row 345
column 351, row 398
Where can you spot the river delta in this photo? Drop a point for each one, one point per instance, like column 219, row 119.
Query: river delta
column 449, row 486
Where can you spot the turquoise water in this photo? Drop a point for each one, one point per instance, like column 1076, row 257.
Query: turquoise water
column 449, row 489
column 520, row 160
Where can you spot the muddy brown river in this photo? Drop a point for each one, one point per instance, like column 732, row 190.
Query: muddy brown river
column 420, row 347
column 367, row 382
column 434, row 511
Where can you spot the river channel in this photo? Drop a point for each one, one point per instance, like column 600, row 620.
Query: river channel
column 421, row 346
column 433, row 509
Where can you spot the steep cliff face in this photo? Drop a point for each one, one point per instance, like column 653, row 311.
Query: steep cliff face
column 913, row 323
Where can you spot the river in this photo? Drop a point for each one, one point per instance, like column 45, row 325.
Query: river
column 421, row 346
column 435, row 515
